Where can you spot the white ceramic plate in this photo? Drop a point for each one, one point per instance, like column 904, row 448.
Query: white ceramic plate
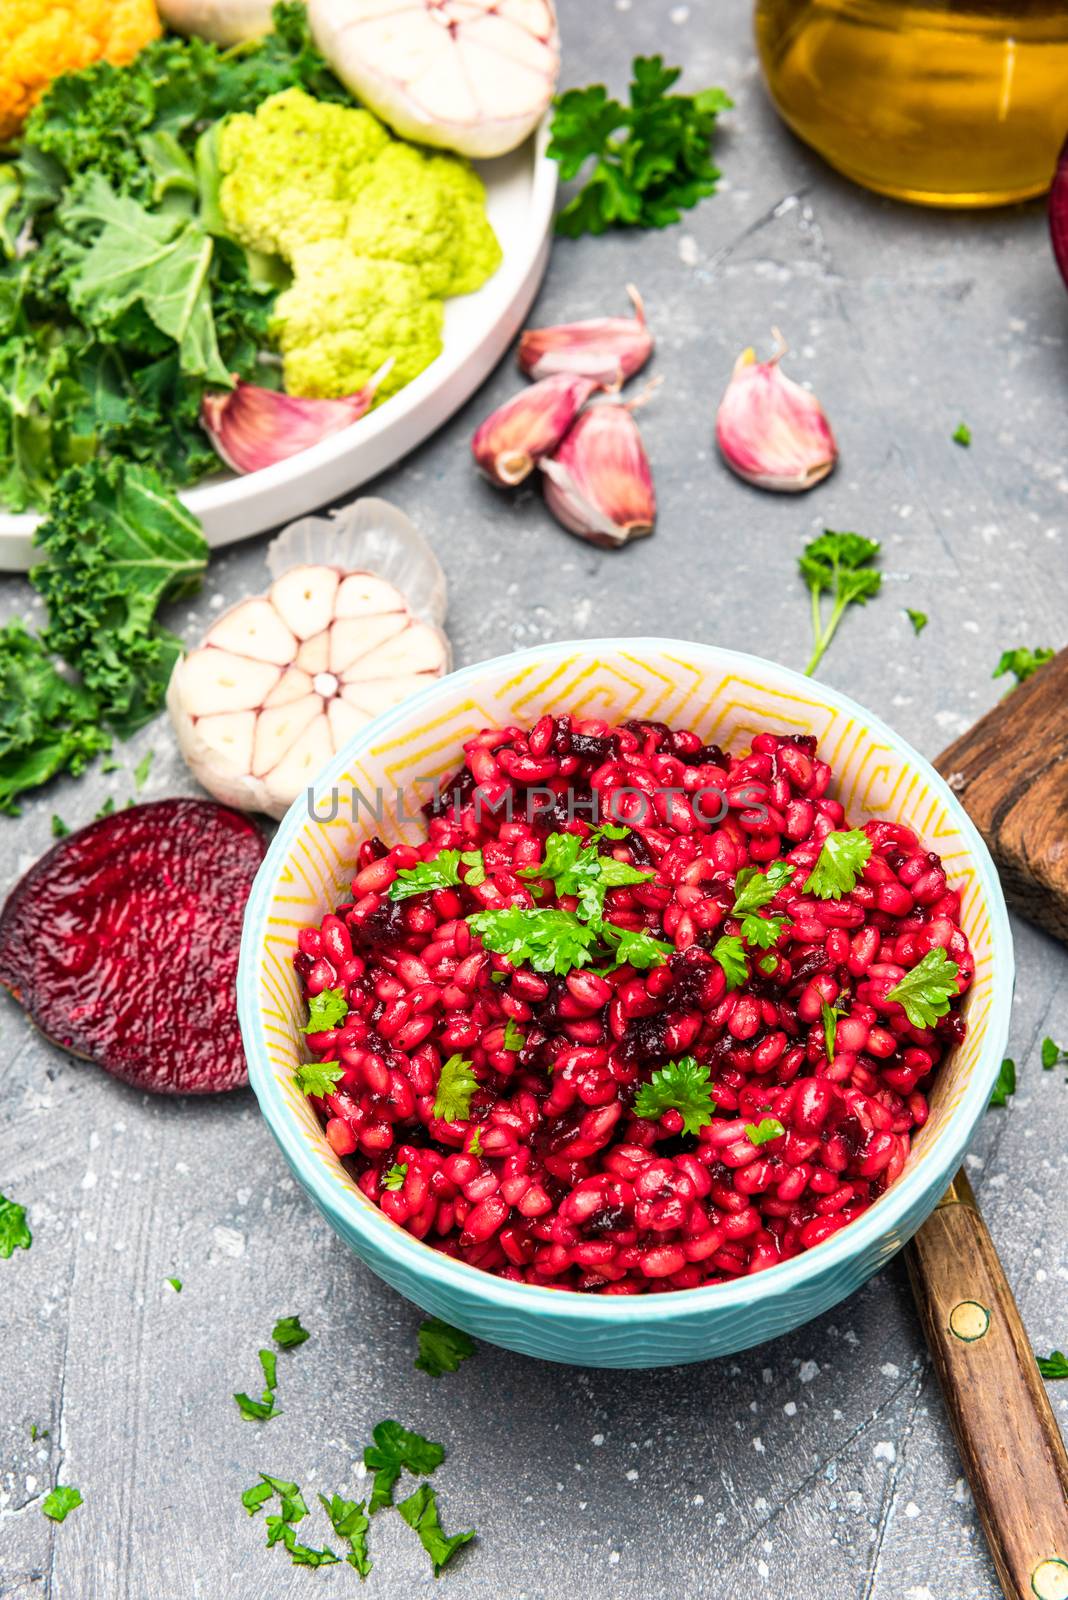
column 479, row 329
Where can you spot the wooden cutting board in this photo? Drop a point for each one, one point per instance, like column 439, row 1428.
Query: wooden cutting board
column 1010, row 773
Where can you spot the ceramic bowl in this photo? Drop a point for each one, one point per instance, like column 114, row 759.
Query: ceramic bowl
column 726, row 698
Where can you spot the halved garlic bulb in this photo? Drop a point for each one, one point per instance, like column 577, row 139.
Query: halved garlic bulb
column 282, row 681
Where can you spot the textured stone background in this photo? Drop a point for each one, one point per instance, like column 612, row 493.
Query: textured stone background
column 821, row 1464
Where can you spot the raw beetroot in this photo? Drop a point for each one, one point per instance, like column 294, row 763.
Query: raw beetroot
column 122, row 943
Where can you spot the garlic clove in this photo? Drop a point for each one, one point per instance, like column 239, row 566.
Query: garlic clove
column 230, row 734
column 277, row 730
column 362, row 594
column 292, row 685
column 771, row 431
column 599, row 484
column 417, row 649
column 302, row 763
column 305, row 599
column 608, row 350
column 371, row 696
column 314, row 654
column 254, row 628
column 352, row 638
column 215, row 680
column 345, row 720
column 252, row 427
column 513, row 439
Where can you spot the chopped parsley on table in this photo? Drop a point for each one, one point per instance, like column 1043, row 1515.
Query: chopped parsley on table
column 1055, row 1365
column 1022, row 663
column 288, row 1333
column 176, row 1284
column 60, row 1502
column 918, row 619
column 420, row 1511
column 441, row 1347
column 393, row 1450
column 1005, row 1083
column 14, row 1231
column 350, row 1521
column 1053, row 1055
column 264, row 1409
column 962, row 434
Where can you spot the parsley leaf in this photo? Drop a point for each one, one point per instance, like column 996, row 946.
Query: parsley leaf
column 318, row 1077
column 60, row 1502
column 514, row 1037
column 761, row 1132
column 579, row 869
column 1005, row 1083
column 1022, row 663
column 350, row 1521
column 550, row 940
column 59, row 827
column 326, row 1010
column 841, row 861
column 474, row 1144
column 476, row 867
column 288, row 1333
column 730, row 953
column 926, row 991
column 426, row 876
column 262, row 1410
column 830, row 1028
column 1055, row 1365
column 394, row 1178
column 394, row 1447
column 917, row 618
column 962, row 434
column 763, row 932
column 651, row 157
column 441, row 1347
column 838, row 564
column 635, row 947
column 14, row 1234
column 754, row 889
column 176, row 1284
column 420, row 1511
column 142, row 769
column 456, row 1085
column 257, row 1496
column 1053, row 1055
column 680, row 1086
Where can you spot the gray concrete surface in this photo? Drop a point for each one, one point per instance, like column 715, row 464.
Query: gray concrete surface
column 818, row 1465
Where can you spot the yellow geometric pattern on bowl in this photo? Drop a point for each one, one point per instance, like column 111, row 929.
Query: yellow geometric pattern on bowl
column 871, row 778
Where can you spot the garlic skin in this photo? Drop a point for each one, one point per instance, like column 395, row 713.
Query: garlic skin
column 607, row 349
column 514, row 438
column 252, row 427
column 599, row 484
column 222, row 21
column 474, row 76
column 282, row 681
column 770, row 431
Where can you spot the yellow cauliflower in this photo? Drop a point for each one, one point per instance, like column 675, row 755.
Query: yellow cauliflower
column 292, row 168
column 377, row 233
column 344, row 315
column 39, row 39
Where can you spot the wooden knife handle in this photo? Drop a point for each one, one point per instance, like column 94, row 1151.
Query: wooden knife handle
column 1008, row 1438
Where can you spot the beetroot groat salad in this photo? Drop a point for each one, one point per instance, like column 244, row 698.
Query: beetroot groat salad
column 638, row 1015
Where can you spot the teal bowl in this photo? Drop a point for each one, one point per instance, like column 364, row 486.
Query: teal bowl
column 727, row 698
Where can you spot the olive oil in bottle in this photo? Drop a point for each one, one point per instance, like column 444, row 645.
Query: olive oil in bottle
column 959, row 104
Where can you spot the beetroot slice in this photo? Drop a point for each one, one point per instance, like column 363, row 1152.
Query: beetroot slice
column 122, row 943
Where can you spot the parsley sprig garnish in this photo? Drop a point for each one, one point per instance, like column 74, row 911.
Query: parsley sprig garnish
column 427, row 876
column 318, row 1077
column 838, row 564
column 842, row 859
column 579, row 869
column 651, row 157
column 926, row 991
column 456, row 1086
column 326, row 1010
column 729, row 952
column 681, row 1086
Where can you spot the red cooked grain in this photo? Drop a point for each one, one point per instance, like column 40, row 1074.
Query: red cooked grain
column 567, row 1188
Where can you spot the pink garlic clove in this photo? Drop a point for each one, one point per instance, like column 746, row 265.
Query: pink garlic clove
column 252, row 427
column 608, row 349
column 770, row 431
column 599, row 483
column 513, row 439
